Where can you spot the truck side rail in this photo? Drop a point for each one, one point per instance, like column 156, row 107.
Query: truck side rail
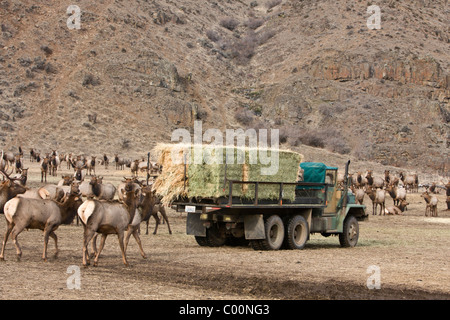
column 309, row 198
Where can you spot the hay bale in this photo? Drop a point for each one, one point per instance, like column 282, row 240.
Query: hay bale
column 206, row 173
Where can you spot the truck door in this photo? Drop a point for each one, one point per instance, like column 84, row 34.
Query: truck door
column 330, row 180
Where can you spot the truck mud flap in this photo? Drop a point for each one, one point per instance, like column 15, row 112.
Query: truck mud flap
column 194, row 226
column 254, row 227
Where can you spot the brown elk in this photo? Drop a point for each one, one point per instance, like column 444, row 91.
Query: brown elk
column 397, row 194
column 107, row 217
column 22, row 178
column 18, row 163
column 397, row 209
column 102, row 191
column 431, row 204
column 359, row 194
column 150, row 206
column 120, row 162
column 105, row 161
column 134, row 168
column 90, row 165
column 378, row 198
column 408, row 181
column 46, row 215
column 9, row 189
column 54, row 164
column 374, row 182
column 44, row 168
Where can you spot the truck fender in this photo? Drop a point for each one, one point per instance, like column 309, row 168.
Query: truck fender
column 254, row 227
column 194, row 226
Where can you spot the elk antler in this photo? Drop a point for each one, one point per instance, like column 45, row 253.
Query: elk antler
column 7, row 175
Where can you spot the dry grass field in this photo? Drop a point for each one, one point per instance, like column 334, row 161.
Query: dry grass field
column 411, row 251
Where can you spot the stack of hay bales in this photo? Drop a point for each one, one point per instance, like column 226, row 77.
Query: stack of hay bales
column 205, row 172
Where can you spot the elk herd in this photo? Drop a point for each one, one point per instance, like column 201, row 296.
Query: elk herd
column 90, row 200
column 397, row 187
column 105, row 209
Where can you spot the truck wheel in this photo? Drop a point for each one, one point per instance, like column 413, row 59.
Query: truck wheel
column 274, row 229
column 350, row 233
column 201, row 241
column 297, row 232
column 215, row 237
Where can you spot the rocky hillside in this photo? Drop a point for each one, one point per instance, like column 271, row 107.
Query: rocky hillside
column 138, row 69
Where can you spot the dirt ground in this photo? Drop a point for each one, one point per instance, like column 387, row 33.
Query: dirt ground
column 411, row 253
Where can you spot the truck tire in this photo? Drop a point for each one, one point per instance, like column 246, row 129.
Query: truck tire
column 201, row 241
column 350, row 233
column 274, row 229
column 297, row 232
column 214, row 237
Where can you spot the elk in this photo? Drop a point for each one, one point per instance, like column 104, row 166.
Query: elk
column 374, row 182
column 9, row 189
column 18, row 165
column 107, row 217
column 10, row 157
column 22, row 178
column 378, row 198
column 128, row 183
column 150, row 206
column 397, row 209
column 32, row 155
column 91, row 165
column 3, row 162
column 359, row 194
column 66, row 180
column 120, row 162
column 44, row 168
column 54, row 164
column 387, row 177
column 431, row 204
column 102, row 191
column 105, row 161
column 46, row 215
column 134, row 168
column 408, row 181
column 397, row 194
column 55, row 192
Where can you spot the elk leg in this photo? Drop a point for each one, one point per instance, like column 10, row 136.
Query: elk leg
column 130, row 230
column 94, row 245
column 100, row 248
column 163, row 213
column 124, row 258
column 138, row 240
column 155, row 215
column 14, row 233
column 55, row 238
column 5, row 239
column 88, row 234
